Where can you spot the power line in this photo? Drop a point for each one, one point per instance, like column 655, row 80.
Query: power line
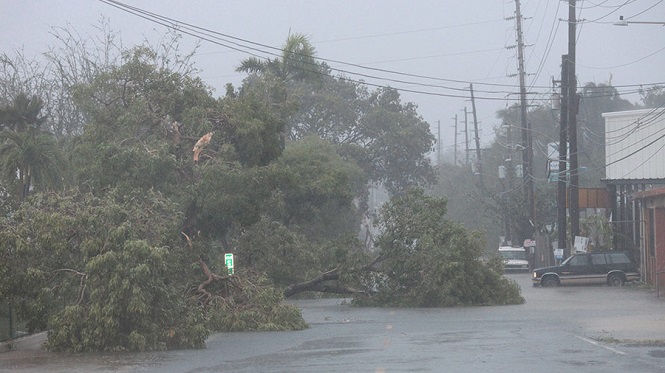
column 205, row 34
column 258, row 50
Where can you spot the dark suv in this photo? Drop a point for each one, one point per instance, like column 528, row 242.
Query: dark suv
column 613, row 268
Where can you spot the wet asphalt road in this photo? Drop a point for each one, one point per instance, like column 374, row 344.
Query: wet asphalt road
column 581, row 329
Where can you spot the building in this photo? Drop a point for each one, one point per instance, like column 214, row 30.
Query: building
column 652, row 203
column 635, row 177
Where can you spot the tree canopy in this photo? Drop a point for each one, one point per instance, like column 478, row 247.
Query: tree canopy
column 426, row 260
column 122, row 245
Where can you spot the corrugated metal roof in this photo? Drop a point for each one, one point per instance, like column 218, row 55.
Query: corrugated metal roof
column 635, row 144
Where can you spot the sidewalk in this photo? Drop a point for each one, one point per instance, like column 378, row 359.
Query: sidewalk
column 28, row 343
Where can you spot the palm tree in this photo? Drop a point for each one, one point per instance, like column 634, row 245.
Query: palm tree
column 297, row 62
column 24, row 112
column 29, row 157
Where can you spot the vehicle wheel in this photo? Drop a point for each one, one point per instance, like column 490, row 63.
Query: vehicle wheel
column 549, row 282
column 615, row 280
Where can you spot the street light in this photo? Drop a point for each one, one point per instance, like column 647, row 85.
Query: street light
column 623, row 22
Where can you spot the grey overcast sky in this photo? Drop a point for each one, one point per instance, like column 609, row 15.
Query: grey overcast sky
column 441, row 45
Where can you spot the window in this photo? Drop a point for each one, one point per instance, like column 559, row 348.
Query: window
column 579, row 260
column 598, row 259
column 619, row 258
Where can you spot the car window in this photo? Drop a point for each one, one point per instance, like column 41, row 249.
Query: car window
column 619, row 258
column 513, row 255
column 579, row 260
column 598, row 259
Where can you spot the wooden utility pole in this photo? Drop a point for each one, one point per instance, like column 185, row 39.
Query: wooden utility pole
column 568, row 137
column 466, row 134
column 527, row 152
column 478, row 150
column 574, row 203
column 563, row 156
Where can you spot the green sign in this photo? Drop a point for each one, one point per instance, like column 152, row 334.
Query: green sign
column 228, row 261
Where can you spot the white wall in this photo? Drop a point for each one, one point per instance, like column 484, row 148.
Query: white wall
column 635, row 144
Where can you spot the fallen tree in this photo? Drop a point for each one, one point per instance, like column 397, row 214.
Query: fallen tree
column 423, row 260
column 321, row 284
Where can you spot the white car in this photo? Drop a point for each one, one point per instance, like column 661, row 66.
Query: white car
column 514, row 258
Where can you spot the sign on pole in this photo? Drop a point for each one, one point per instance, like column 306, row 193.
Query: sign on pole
column 228, row 261
column 581, row 244
column 558, row 254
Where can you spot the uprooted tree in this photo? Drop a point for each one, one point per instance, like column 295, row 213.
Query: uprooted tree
column 422, row 260
column 128, row 255
column 112, row 273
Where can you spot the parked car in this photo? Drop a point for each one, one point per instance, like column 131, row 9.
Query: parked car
column 514, row 258
column 613, row 268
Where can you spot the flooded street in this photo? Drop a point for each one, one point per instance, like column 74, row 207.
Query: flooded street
column 589, row 329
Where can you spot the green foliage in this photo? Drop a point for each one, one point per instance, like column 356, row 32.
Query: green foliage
column 428, row 261
column 126, row 168
column 653, row 97
column 599, row 230
column 253, row 130
column 23, row 113
column 259, row 307
column 401, row 140
column 101, row 273
column 29, row 157
column 130, row 305
column 385, row 137
column 105, row 267
column 285, row 256
column 318, row 188
column 297, row 61
column 231, row 197
column 130, row 142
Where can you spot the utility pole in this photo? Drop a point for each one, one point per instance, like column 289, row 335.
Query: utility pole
column 478, row 150
column 527, row 153
column 563, row 155
column 574, row 202
column 510, row 172
column 466, row 135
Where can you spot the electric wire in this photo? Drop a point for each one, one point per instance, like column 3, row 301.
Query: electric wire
column 252, row 51
column 632, row 153
column 625, row 64
column 172, row 23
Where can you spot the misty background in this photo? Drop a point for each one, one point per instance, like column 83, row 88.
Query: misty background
column 430, row 50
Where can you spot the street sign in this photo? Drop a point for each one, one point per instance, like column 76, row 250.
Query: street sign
column 558, row 254
column 228, row 261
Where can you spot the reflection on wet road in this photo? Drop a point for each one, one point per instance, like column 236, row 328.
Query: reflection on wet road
column 588, row 329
